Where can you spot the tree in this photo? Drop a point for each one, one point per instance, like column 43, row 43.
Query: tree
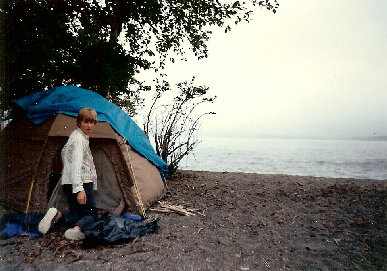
column 173, row 126
column 102, row 45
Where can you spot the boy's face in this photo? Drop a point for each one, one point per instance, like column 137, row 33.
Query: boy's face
column 86, row 126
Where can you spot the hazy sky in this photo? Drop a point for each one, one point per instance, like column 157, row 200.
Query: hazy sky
column 315, row 69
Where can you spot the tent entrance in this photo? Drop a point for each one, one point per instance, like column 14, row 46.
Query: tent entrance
column 107, row 196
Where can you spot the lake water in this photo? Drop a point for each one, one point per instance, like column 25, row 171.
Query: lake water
column 322, row 158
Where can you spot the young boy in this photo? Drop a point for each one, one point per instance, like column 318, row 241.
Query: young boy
column 79, row 179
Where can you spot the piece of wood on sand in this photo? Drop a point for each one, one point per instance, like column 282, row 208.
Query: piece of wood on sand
column 165, row 207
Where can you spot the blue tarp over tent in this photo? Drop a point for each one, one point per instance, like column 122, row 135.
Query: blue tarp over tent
column 68, row 100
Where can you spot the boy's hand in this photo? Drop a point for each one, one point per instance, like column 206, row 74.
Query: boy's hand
column 81, row 197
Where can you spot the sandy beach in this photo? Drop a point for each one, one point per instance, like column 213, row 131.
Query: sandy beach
column 240, row 221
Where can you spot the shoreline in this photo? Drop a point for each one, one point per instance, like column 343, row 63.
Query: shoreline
column 282, row 174
column 242, row 221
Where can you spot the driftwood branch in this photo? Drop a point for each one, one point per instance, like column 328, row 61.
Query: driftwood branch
column 164, row 207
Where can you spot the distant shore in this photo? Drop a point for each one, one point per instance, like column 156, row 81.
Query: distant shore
column 372, row 138
column 242, row 221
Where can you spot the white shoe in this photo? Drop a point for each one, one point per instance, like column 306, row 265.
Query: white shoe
column 47, row 221
column 74, row 234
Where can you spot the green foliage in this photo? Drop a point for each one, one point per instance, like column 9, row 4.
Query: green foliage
column 102, row 45
column 173, row 125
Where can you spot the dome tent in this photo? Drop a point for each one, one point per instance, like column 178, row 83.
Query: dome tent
column 127, row 165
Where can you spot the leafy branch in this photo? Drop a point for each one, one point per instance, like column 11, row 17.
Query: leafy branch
column 173, row 127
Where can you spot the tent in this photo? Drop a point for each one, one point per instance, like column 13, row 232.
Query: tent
column 128, row 169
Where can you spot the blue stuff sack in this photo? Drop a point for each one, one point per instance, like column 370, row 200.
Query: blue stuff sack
column 132, row 217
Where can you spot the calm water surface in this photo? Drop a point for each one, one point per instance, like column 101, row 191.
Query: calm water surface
column 323, row 158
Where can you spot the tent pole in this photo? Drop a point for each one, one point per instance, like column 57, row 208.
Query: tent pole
column 29, row 197
column 135, row 182
column 140, row 201
column 34, row 177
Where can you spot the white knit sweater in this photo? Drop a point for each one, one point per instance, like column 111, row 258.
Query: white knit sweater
column 78, row 164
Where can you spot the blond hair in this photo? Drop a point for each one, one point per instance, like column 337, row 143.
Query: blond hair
column 87, row 114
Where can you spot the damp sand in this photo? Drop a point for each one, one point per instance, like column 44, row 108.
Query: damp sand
column 241, row 221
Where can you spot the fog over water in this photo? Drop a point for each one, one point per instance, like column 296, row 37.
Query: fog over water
column 316, row 69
